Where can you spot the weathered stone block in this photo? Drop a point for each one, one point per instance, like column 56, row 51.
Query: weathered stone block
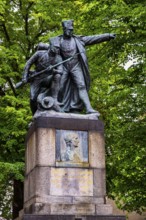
column 54, row 199
column 72, row 217
column 43, row 180
column 71, row 182
column 104, row 209
column 30, row 186
column 38, row 208
column 96, row 150
column 40, row 150
column 37, row 182
column 30, row 155
column 80, row 209
column 99, row 182
column 45, row 147
column 88, row 200
column 26, row 189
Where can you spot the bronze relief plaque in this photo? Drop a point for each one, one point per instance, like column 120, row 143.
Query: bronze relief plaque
column 71, row 148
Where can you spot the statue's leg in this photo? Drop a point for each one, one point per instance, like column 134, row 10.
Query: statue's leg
column 64, row 91
column 34, row 91
column 78, row 78
column 64, row 79
column 85, row 98
column 55, row 86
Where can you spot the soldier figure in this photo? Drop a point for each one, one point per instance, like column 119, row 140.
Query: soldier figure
column 46, row 84
column 68, row 84
column 75, row 80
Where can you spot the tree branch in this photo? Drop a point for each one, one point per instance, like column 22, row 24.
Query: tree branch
column 11, row 85
column 6, row 32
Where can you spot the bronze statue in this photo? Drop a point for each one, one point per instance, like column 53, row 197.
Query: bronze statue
column 75, row 80
column 61, row 78
column 44, row 87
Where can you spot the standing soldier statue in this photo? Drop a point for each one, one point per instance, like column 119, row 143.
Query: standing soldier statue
column 61, row 80
column 75, row 80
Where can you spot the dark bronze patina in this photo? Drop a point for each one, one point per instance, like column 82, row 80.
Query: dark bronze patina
column 61, row 78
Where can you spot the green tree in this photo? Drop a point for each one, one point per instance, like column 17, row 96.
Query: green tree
column 119, row 94
column 116, row 92
column 23, row 24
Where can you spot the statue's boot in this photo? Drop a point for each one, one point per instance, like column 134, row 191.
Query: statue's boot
column 58, row 103
column 56, row 100
column 85, row 98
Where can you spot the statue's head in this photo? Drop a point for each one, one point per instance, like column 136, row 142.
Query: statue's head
column 67, row 28
column 54, row 46
column 72, row 139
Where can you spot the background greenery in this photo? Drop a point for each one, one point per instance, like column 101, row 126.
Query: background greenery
column 117, row 92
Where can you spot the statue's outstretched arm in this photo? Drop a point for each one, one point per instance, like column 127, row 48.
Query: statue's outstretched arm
column 95, row 39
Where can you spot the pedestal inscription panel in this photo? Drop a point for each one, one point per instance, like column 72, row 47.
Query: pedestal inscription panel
column 71, row 182
column 71, row 148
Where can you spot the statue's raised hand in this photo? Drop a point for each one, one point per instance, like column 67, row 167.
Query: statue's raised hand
column 112, row 36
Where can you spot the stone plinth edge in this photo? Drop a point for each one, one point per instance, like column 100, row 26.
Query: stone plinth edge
column 72, row 217
column 66, row 121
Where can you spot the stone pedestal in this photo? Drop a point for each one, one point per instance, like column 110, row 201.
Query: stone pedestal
column 65, row 168
column 71, row 217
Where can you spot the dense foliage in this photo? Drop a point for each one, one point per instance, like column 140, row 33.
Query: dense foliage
column 117, row 92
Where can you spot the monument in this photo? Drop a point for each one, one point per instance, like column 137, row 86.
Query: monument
column 65, row 154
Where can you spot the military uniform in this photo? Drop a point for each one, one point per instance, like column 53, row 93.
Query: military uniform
column 75, row 80
column 46, row 83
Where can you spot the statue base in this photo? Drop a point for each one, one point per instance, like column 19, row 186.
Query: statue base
column 65, row 168
column 71, row 217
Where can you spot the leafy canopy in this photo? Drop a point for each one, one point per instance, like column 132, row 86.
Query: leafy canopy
column 118, row 93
